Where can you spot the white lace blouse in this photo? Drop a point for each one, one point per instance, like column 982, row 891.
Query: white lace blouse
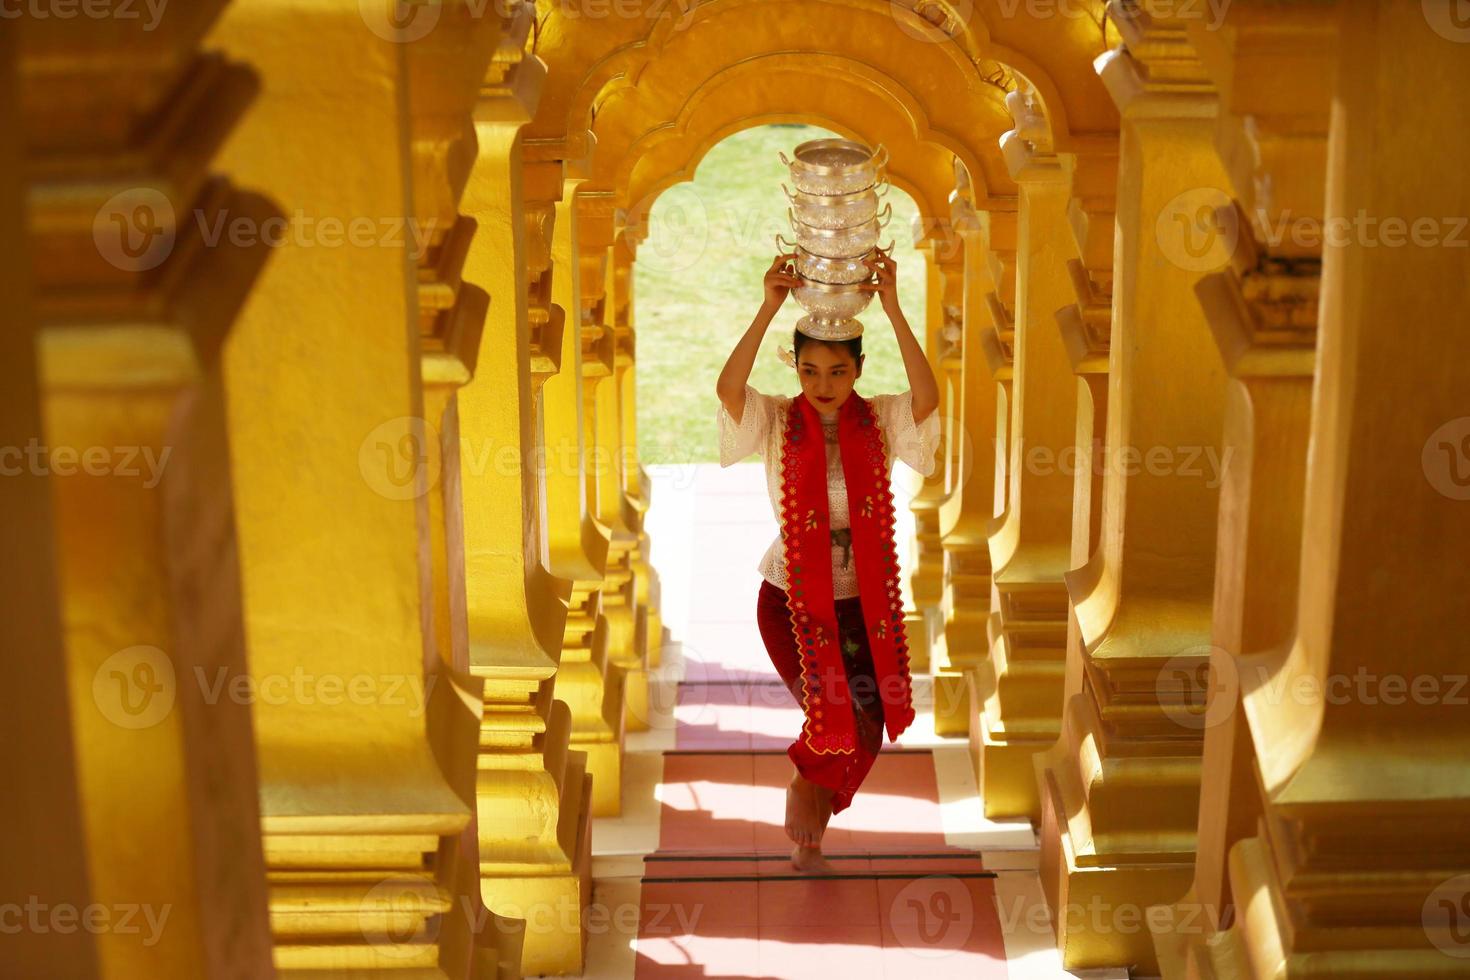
column 761, row 430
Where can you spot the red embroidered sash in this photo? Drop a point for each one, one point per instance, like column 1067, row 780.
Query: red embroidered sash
column 806, row 538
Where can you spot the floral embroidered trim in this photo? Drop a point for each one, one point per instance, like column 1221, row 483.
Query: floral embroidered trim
column 877, row 565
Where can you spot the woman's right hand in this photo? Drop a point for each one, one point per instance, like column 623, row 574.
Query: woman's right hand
column 780, row 279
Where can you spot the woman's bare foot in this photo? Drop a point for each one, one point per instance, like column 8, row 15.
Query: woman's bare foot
column 808, row 807
column 809, row 860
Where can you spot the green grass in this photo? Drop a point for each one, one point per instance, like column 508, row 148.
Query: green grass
column 697, row 287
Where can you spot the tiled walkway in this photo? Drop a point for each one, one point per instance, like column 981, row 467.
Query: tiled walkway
column 924, row 885
column 899, row 892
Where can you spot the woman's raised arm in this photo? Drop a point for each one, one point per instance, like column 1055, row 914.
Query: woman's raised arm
column 779, row 280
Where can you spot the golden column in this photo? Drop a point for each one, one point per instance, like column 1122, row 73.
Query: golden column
column 35, row 709
column 967, row 510
column 949, row 356
column 1022, row 678
column 924, row 621
column 1268, row 352
column 605, row 437
column 329, row 475
column 1086, row 329
column 578, row 540
column 534, row 792
column 1262, row 310
column 997, row 339
column 129, row 301
column 1119, row 815
column 447, row 70
column 947, row 310
column 636, row 489
column 1358, row 864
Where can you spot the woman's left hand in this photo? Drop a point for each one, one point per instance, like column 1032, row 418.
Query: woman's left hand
column 886, row 268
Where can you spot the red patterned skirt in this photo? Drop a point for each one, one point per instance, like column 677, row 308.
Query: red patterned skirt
column 842, row 773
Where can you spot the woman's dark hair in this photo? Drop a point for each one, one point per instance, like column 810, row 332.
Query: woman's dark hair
column 854, row 345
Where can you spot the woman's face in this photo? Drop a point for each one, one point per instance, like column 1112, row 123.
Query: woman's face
column 827, row 374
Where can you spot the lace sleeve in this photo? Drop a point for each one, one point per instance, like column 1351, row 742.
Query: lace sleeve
column 913, row 442
column 739, row 439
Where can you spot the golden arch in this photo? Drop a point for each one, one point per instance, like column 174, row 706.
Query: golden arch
column 853, row 104
column 663, row 56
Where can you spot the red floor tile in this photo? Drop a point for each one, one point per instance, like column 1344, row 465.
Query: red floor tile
column 942, row 924
column 706, row 803
column 904, row 963
column 701, row 908
column 851, row 952
column 697, row 865
column 697, row 930
column 752, row 712
column 939, row 861
column 697, row 958
column 817, row 902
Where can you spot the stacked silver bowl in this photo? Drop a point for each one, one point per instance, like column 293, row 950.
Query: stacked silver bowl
column 834, row 214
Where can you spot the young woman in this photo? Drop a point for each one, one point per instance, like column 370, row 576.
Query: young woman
column 828, row 609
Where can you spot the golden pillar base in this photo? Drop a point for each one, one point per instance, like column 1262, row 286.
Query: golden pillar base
column 624, row 618
column 593, row 690
column 648, row 641
column 1102, row 920
column 919, row 624
column 635, row 700
column 655, row 633
column 924, row 623
column 1117, row 836
column 551, row 905
column 1178, row 936
column 499, row 957
column 975, row 691
column 951, row 699
column 1006, row 750
column 1259, row 943
column 534, row 799
column 966, row 609
column 1023, row 679
column 605, row 762
column 953, row 703
column 1008, row 775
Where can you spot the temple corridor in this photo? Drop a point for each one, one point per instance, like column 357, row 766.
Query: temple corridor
column 356, row 626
